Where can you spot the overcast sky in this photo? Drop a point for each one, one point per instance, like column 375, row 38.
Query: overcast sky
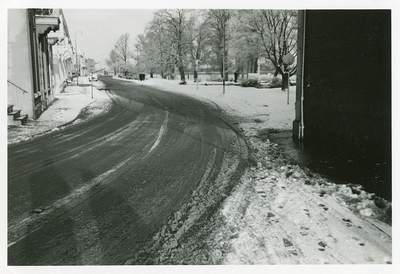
column 101, row 29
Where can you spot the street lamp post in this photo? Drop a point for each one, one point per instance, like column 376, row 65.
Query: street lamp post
column 91, row 82
column 223, row 57
column 288, row 59
column 77, row 62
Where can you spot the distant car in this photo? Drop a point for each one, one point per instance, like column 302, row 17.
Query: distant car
column 93, row 77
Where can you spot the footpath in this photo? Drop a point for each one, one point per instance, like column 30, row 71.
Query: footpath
column 278, row 214
column 65, row 109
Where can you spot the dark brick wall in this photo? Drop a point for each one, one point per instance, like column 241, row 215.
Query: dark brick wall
column 347, row 81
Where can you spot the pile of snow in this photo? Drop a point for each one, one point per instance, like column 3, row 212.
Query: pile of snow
column 281, row 214
column 287, row 215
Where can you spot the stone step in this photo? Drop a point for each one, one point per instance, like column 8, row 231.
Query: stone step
column 13, row 115
column 9, row 108
column 15, row 118
column 21, row 120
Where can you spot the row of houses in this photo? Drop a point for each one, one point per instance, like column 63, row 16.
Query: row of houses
column 41, row 61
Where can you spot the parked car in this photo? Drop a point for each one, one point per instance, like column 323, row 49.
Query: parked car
column 93, row 77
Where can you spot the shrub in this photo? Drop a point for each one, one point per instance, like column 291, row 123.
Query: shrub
column 264, row 78
column 215, row 78
column 250, row 83
column 276, row 82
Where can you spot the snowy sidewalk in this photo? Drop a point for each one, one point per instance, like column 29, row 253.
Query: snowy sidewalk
column 64, row 109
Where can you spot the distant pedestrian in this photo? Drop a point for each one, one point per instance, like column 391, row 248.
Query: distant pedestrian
column 236, row 76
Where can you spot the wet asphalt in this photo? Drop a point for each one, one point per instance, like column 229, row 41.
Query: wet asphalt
column 96, row 192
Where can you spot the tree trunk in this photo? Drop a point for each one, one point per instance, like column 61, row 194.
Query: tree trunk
column 247, row 69
column 195, row 74
column 285, row 78
column 182, row 73
column 252, row 66
column 255, row 64
column 171, row 72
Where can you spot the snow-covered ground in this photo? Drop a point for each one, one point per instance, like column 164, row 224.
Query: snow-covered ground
column 279, row 213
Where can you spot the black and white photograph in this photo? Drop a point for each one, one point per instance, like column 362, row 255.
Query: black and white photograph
column 179, row 139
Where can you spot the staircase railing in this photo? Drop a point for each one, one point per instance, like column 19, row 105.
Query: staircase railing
column 15, row 94
column 15, row 85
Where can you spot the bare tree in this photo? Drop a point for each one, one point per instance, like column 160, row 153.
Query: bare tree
column 113, row 61
column 200, row 48
column 176, row 25
column 276, row 31
column 155, row 49
column 122, row 51
column 218, row 20
column 245, row 45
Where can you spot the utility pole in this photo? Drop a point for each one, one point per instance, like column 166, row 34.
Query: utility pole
column 77, row 62
column 223, row 53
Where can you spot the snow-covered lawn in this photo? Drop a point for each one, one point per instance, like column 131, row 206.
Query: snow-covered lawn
column 253, row 106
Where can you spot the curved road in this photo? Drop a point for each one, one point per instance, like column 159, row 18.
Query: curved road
column 96, row 192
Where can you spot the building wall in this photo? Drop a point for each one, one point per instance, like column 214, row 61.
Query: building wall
column 347, row 81
column 19, row 66
column 30, row 68
column 60, row 73
column 62, row 53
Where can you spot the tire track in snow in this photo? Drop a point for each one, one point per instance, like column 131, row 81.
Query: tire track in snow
column 16, row 231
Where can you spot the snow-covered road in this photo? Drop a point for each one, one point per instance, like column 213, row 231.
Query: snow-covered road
column 279, row 213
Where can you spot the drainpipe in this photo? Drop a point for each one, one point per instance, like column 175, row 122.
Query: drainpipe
column 301, row 131
column 298, row 123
